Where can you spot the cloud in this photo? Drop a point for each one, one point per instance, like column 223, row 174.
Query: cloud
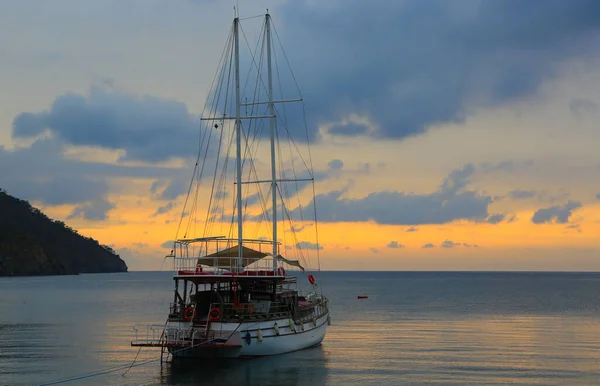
column 449, row 244
column 450, row 202
column 428, row 245
column 308, row 245
column 558, row 213
column 597, row 196
column 412, row 229
column 522, row 194
column 95, row 211
column 470, row 245
column 582, row 106
column 374, row 250
column 350, row 129
column 394, row 245
column 43, row 173
column 164, row 209
column 167, row 244
column 147, row 128
column 458, row 56
column 169, row 188
column 336, row 164
column 496, row 218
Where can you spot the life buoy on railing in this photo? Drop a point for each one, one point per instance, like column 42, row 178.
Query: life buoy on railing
column 189, row 313
column 198, row 268
column 311, row 279
column 280, row 271
column 214, row 314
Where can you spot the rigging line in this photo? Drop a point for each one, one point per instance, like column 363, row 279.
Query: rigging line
column 211, row 211
column 200, row 147
column 284, row 120
column 219, row 147
column 252, row 165
column 217, row 95
column 286, row 58
column 285, row 125
column 297, row 184
column 252, row 55
column 252, row 17
column 316, row 227
column 295, row 239
column 257, row 124
column 123, row 367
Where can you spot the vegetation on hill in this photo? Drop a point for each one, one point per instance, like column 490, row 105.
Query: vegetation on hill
column 33, row 244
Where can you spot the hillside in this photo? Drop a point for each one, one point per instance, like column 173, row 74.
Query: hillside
column 33, row 244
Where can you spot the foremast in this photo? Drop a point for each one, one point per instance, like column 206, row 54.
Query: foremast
column 238, row 134
column 272, row 129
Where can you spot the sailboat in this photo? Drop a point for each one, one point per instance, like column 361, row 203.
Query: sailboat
column 239, row 296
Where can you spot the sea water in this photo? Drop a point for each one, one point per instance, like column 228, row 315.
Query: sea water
column 414, row 328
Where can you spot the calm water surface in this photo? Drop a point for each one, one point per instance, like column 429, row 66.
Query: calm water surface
column 415, row 328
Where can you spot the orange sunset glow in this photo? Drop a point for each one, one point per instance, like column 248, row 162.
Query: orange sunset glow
column 480, row 157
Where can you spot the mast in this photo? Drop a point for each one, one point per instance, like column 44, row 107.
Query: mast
column 272, row 127
column 238, row 134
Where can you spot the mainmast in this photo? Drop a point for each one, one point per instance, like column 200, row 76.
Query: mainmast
column 272, row 127
column 238, row 133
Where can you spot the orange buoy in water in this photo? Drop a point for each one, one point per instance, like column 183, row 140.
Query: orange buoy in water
column 363, row 297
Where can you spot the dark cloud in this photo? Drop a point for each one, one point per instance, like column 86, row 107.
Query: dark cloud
column 42, row 173
column 496, row 218
column 394, row 245
column 582, row 106
column 336, row 164
column 522, row 194
column 308, row 245
column 374, row 250
column 428, row 245
column 470, row 245
column 434, row 59
column 95, row 211
column 450, row 202
column 557, row 213
column 507, row 166
column 412, row 229
column 164, row 209
column 349, row 129
column 598, row 196
column 169, row 188
column 147, row 128
column 449, row 244
column 167, row 244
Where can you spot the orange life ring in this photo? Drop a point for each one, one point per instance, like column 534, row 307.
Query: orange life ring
column 214, row 314
column 189, row 313
column 280, row 271
column 311, row 279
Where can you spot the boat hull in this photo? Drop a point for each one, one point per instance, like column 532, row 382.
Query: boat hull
column 255, row 339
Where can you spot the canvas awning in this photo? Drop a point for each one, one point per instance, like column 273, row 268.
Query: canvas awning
column 228, row 257
column 294, row 263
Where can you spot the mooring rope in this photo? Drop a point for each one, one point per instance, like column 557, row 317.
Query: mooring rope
column 127, row 367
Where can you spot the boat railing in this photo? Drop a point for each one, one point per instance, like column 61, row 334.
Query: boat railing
column 251, row 311
column 160, row 335
column 153, row 336
column 229, row 266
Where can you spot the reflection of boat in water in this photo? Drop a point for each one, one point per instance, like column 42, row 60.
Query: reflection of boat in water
column 305, row 367
column 233, row 296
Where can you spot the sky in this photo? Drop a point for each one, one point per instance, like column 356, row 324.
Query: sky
column 446, row 135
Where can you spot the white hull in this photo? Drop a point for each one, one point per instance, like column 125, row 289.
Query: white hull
column 252, row 339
